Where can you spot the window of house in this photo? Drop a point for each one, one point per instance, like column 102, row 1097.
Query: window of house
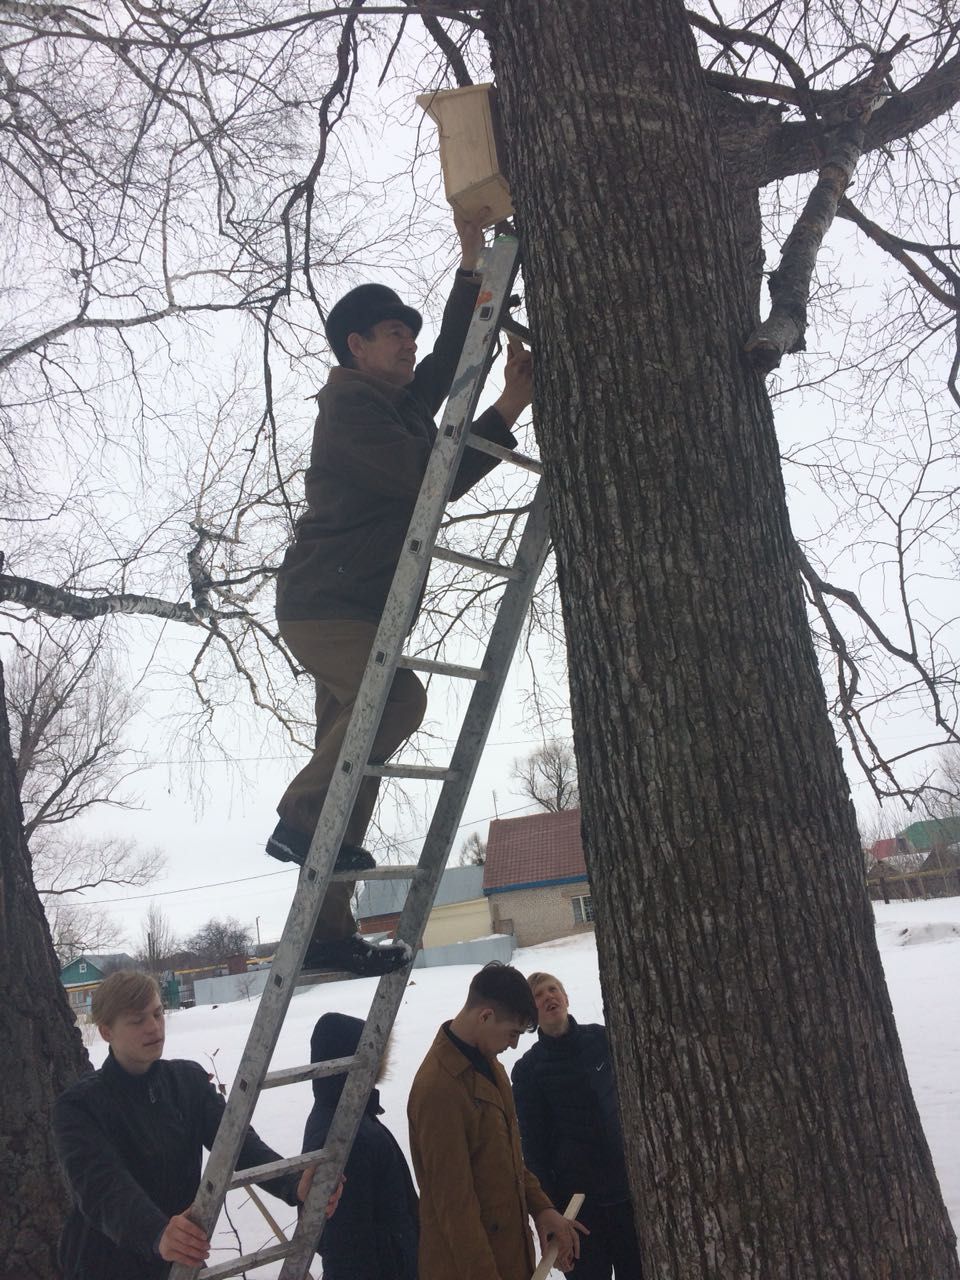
column 583, row 910
column 82, row 967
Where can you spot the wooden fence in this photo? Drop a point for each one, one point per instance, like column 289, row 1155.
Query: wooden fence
column 938, row 882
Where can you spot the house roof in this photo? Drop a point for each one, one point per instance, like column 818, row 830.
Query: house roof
column 884, row 849
column 114, row 960
column 542, row 848
column 895, row 845
column 386, row 897
column 933, row 832
column 112, row 957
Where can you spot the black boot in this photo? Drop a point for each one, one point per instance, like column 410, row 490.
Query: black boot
column 287, row 844
column 356, row 955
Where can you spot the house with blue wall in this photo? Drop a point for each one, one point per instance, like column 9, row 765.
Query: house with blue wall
column 82, row 976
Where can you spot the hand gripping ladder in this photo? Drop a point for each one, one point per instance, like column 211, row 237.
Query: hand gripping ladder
column 499, row 269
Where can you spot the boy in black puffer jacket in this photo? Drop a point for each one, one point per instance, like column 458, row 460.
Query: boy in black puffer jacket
column 569, row 1120
column 374, row 1234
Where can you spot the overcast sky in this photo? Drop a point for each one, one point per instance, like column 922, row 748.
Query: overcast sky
column 210, row 822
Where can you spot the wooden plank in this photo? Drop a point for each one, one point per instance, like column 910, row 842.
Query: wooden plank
column 550, row 1257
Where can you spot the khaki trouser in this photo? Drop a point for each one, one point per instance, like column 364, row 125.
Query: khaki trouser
column 335, row 654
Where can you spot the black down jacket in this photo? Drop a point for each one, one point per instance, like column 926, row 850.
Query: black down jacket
column 374, row 1233
column 131, row 1147
column 567, row 1107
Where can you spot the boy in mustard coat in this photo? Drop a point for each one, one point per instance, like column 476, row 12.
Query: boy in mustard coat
column 475, row 1193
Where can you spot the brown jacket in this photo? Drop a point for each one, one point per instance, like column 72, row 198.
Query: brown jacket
column 371, row 443
column 475, row 1194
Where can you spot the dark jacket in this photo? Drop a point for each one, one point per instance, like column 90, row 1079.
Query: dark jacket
column 566, row 1100
column 130, row 1146
column 373, row 1234
column 371, row 443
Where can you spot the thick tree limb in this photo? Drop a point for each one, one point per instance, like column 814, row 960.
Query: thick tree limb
column 729, row 36
column 65, row 23
column 445, row 42
column 795, row 147
column 58, row 602
column 114, row 323
column 752, row 88
column 783, row 330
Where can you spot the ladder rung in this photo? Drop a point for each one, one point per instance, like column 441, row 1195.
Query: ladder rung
column 482, row 566
column 410, row 771
column 233, row 1267
column 276, row 1168
column 442, row 668
column 507, row 455
column 312, row 1071
column 378, row 873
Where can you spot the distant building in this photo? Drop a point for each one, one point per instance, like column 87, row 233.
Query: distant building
column 943, row 858
column 934, row 833
column 535, row 877
column 895, row 847
column 82, row 976
column 459, row 914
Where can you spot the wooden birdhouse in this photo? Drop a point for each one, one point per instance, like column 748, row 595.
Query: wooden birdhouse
column 467, row 122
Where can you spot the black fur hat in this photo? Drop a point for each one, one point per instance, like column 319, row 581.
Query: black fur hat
column 360, row 309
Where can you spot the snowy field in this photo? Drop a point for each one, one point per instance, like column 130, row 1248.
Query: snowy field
column 919, row 942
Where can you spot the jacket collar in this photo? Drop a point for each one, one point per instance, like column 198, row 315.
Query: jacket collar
column 557, row 1044
column 455, row 1064
column 341, row 377
column 112, row 1071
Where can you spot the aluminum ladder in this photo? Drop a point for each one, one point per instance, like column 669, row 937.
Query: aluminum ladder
column 499, row 266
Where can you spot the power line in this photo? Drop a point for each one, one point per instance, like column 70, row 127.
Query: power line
column 267, row 875
column 149, row 764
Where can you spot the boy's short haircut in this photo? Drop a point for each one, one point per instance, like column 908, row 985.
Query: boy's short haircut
column 536, row 979
column 126, row 991
column 503, row 989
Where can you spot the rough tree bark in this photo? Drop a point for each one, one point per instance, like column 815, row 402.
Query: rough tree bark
column 770, row 1126
column 42, row 1050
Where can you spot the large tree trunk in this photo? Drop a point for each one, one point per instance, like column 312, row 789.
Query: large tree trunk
column 42, row 1051
column 770, row 1126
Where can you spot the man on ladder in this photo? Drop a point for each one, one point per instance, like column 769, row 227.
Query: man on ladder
column 372, row 439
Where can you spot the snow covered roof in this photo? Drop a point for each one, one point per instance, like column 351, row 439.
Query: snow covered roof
column 542, row 848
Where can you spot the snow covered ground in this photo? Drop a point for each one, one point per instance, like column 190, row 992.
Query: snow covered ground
column 919, row 942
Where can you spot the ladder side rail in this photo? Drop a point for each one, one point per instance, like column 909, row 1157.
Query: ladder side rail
column 345, row 1123
column 475, row 728
column 500, row 265
column 534, row 545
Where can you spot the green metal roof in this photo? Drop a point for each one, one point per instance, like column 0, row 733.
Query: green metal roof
column 934, row 831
